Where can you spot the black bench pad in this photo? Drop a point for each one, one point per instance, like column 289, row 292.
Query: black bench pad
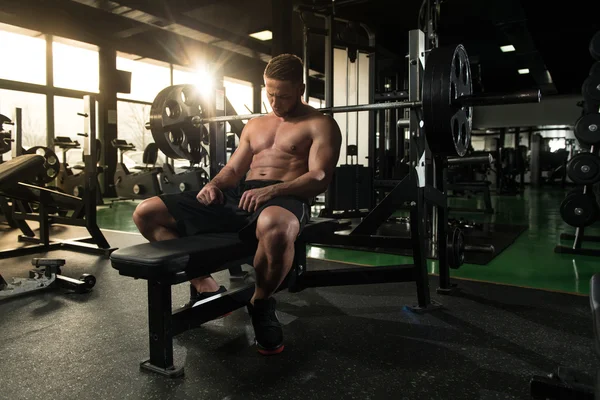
column 20, row 168
column 197, row 255
column 169, row 257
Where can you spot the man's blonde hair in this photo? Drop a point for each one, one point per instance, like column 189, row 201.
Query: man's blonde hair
column 285, row 67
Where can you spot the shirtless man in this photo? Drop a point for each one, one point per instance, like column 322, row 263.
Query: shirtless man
column 284, row 159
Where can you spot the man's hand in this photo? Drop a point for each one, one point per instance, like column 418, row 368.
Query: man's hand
column 254, row 198
column 210, row 194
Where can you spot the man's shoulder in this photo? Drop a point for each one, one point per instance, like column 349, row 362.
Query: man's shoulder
column 323, row 121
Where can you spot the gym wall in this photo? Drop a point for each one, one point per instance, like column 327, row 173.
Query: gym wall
column 551, row 110
column 351, row 87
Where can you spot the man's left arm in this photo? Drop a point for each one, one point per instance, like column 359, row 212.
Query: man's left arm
column 322, row 160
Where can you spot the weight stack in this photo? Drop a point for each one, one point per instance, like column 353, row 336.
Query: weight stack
column 351, row 188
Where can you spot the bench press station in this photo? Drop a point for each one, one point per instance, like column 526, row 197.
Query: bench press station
column 445, row 91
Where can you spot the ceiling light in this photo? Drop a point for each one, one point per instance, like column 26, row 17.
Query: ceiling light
column 262, row 35
column 524, row 71
column 507, row 48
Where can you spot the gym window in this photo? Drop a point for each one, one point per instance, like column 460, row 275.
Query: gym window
column 148, row 77
column 33, row 108
column 239, row 93
column 66, row 120
column 131, row 127
column 25, row 52
column 201, row 78
column 76, row 65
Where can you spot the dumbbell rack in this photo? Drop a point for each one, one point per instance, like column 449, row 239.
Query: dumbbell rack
column 580, row 207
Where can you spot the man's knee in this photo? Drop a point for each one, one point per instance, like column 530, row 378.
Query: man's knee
column 147, row 210
column 277, row 226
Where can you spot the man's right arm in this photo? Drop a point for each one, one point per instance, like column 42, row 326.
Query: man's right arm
column 238, row 164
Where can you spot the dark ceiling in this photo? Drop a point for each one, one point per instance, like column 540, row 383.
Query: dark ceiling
column 551, row 40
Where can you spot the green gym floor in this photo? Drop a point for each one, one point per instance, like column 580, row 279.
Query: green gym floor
column 529, row 262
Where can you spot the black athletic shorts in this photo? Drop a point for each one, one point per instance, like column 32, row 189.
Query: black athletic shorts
column 193, row 217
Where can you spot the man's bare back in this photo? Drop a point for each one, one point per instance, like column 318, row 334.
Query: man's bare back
column 281, row 147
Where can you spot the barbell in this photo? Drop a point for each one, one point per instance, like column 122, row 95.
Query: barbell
column 179, row 112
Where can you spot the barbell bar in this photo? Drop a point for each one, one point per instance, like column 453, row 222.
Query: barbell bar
column 532, row 96
column 489, row 159
column 179, row 113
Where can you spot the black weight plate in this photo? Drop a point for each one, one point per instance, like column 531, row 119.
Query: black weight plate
column 595, row 70
column 5, row 142
column 167, row 141
column 584, row 168
column 170, row 122
column 51, row 164
column 579, row 210
column 590, row 90
column 447, row 124
column 587, row 129
column 455, row 249
column 575, row 190
column 595, row 46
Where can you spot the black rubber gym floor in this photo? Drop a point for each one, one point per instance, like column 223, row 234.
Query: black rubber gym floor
column 354, row 342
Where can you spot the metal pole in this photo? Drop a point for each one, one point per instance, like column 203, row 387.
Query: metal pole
column 306, row 65
column 329, row 22
column 17, row 138
column 197, row 120
column 90, row 179
column 417, row 209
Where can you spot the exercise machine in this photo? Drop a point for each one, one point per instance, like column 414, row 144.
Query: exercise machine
column 73, row 183
column 193, row 178
column 19, row 178
column 46, row 275
column 5, row 147
column 136, row 185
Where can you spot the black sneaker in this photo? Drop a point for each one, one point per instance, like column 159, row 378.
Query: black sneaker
column 195, row 297
column 267, row 329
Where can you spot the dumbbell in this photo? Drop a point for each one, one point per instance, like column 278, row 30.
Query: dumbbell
column 587, row 129
column 584, row 168
column 578, row 209
column 590, row 90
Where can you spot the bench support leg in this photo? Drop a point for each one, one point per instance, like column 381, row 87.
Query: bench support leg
column 160, row 331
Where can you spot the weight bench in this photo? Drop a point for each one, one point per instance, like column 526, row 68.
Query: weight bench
column 474, row 187
column 568, row 383
column 171, row 262
column 175, row 261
